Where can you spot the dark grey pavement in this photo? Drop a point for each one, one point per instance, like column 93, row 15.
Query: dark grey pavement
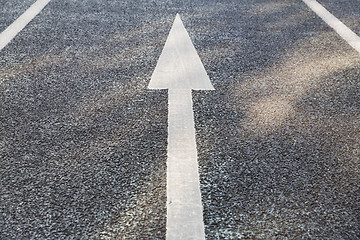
column 83, row 142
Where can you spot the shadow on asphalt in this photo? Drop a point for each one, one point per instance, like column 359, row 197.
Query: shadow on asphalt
column 279, row 139
column 83, row 146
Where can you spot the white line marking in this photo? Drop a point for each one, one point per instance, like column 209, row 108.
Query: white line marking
column 184, row 206
column 179, row 69
column 9, row 33
column 348, row 35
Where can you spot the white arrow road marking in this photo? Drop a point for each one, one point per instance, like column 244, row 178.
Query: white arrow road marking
column 179, row 65
column 180, row 70
column 345, row 32
column 9, row 33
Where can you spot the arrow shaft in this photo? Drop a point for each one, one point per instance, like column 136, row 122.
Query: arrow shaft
column 184, row 207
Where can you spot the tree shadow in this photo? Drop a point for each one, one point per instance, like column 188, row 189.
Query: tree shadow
column 279, row 139
column 83, row 152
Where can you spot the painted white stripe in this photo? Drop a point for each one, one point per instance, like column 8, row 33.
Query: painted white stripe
column 348, row 35
column 184, row 206
column 9, row 33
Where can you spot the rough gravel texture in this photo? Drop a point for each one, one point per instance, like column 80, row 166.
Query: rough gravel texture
column 83, row 142
column 279, row 140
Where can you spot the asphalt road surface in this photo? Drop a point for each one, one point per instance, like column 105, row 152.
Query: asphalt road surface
column 83, row 142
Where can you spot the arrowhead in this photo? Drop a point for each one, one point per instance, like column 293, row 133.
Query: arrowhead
column 179, row 65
